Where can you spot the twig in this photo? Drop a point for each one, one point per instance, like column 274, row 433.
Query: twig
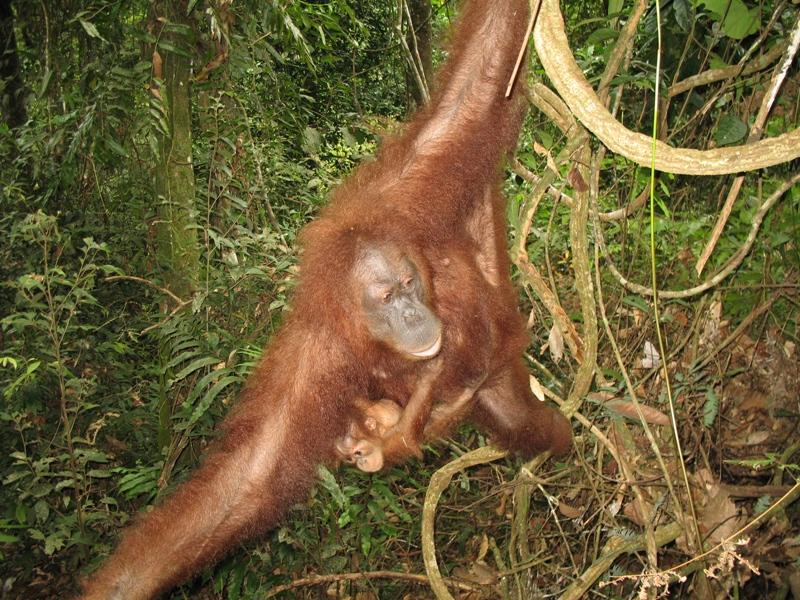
column 755, row 491
column 755, row 134
column 531, row 20
column 322, row 579
column 520, row 255
column 547, row 297
column 713, row 75
column 729, row 267
column 439, row 482
column 149, row 283
column 578, row 416
column 714, row 98
column 780, row 504
column 621, row 46
column 615, row 547
column 417, row 69
column 259, row 173
column 534, row 179
column 645, row 512
column 179, row 304
column 554, row 52
column 614, row 215
column 742, row 327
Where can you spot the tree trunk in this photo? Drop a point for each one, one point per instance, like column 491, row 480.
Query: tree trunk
column 176, row 233
column 418, row 40
column 12, row 90
column 177, row 248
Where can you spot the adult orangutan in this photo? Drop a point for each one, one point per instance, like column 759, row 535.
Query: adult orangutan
column 403, row 293
column 383, row 431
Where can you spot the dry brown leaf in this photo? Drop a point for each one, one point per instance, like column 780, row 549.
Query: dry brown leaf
column 717, row 514
column 627, row 332
column 754, row 400
column 531, row 319
column 711, row 325
column 484, row 547
column 478, row 572
column 791, row 546
column 501, row 506
column 755, row 438
column 571, row 512
column 542, row 151
column 686, row 256
column 576, row 180
column 601, row 396
column 536, row 388
column 157, row 65
column 633, row 513
column 651, row 358
column 115, row 443
column 555, row 341
column 628, row 409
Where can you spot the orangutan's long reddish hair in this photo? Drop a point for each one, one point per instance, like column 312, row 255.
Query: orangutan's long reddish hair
column 432, row 191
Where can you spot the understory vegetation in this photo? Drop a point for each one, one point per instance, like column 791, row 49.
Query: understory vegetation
column 130, row 317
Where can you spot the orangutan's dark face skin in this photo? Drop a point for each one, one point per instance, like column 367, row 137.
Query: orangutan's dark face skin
column 393, row 301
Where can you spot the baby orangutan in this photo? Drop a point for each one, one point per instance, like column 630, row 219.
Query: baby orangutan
column 363, row 444
column 382, row 431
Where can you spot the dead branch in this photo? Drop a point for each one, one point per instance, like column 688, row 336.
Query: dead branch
column 713, row 75
column 755, row 134
column 554, row 52
column 529, row 272
column 328, row 579
column 729, row 267
column 439, row 482
column 613, row 549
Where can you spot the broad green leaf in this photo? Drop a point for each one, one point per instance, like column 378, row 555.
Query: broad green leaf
column 164, row 45
column 183, row 357
column 209, row 397
column 90, row 29
column 192, row 367
column 735, row 19
column 42, row 511
column 329, row 483
column 46, row 78
column 710, row 408
column 683, row 16
column 730, row 130
column 614, row 7
column 115, row 146
column 202, row 384
column 601, row 35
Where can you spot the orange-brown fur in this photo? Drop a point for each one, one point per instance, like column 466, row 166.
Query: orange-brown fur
column 363, row 444
column 421, row 194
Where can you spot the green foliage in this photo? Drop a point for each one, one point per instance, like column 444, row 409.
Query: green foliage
column 730, row 130
column 710, row 408
column 50, row 374
column 111, row 388
column 768, row 461
column 108, row 396
column 733, row 17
